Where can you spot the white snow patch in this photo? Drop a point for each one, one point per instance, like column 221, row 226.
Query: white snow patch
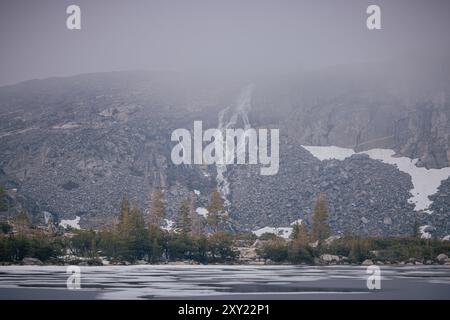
column 299, row 222
column 169, row 224
column 284, row 232
column 202, row 211
column 331, row 239
column 425, row 181
column 329, row 152
column 424, row 233
column 68, row 125
column 47, row 216
column 75, row 223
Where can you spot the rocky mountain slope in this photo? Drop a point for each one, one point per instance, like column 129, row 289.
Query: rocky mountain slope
column 73, row 146
column 402, row 105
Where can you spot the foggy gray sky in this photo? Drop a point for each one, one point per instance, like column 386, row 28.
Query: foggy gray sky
column 218, row 36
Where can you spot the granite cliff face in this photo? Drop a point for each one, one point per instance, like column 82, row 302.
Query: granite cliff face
column 401, row 105
column 73, row 146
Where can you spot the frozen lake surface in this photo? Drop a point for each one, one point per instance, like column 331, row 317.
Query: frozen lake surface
column 224, row 282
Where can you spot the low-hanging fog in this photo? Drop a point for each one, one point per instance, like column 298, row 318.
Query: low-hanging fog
column 223, row 38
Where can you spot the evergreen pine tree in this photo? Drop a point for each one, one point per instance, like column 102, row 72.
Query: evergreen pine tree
column 196, row 223
column 298, row 249
column 216, row 210
column 3, row 206
column 295, row 231
column 124, row 218
column 93, row 251
column 155, row 251
column 300, row 233
column 22, row 223
column 416, row 229
column 137, row 222
column 157, row 210
column 138, row 240
column 320, row 228
column 183, row 223
column 50, row 226
column 358, row 249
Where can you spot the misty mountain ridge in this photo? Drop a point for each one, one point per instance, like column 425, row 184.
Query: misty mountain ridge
column 73, row 146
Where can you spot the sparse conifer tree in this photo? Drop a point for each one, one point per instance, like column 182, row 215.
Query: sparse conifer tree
column 183, row 223
column 320, row 228
column 124, row 217
column 157, row 210
column 3, row 206
column 416, row 229
column 300, row 233
column 195, row 218
column 22, row 223
column 216, row 210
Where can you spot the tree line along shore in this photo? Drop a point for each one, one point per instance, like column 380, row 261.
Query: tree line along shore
column 132, row 240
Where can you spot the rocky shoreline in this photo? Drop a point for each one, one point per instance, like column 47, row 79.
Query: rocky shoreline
column 247, row 257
